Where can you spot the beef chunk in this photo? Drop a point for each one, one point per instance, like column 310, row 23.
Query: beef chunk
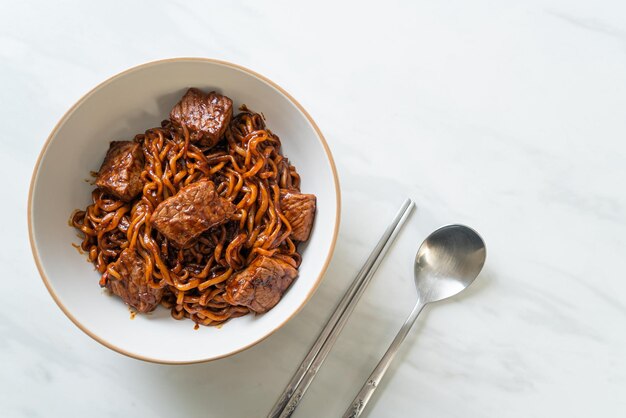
column 299, row 209
column 205, row 115
column 260, row 285
column 120, row 173
column 133, row 288
column 190, row 212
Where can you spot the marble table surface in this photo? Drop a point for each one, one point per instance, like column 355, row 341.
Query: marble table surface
column 507, row 116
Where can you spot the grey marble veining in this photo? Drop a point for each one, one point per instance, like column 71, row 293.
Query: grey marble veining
column 507, row 116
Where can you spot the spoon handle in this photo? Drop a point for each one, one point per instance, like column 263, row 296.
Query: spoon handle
column 366, row 392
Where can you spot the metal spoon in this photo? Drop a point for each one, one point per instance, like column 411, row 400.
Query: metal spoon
column 447, row 262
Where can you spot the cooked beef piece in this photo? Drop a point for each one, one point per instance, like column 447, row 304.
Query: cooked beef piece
column 120, row 173
column 205, row 115
column 133, row 288
column 190, row 212
column 299, row 209
column 260, row 285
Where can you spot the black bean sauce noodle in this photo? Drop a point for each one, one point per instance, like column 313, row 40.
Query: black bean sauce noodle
column 247, row 168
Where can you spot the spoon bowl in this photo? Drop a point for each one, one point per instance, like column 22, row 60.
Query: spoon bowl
column 447, row 262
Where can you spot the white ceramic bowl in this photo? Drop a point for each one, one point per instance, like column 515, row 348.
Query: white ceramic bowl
column 119, row 108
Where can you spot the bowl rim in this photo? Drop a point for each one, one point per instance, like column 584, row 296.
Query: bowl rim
column 103, row 84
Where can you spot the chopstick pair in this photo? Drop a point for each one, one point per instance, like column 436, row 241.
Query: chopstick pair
column 304, row 375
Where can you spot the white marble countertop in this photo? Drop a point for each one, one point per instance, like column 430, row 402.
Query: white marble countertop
column 508, row 116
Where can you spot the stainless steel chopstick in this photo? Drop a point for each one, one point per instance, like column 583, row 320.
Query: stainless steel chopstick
column 297, row 386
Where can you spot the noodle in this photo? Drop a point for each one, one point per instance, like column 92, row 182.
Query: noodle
column 248, row 169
